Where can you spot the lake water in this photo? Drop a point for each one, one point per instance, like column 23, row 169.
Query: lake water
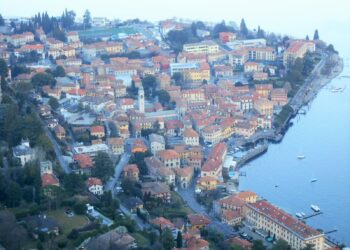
column 323, row 136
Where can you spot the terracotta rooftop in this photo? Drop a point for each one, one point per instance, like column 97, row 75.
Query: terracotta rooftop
column 93, row 181
column 198, row 219
column 282, row 218
column 49, row 180
column 84, row 160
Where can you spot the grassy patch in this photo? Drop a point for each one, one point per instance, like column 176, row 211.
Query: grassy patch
column 67, row 223
column 141, row 240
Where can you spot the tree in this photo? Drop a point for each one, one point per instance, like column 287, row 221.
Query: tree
column 68, row 18
column 53, row 103
column 308, row 247
column 163, row 97
column 307, row 38
column 103, row 166
column 2, row 21
column 79, row 208
column 87, row 19
column 243, row 28
column 59, row 71
column 149, row 83
column 73, row 183
column 179, row 240
column 59, row 34
column 258, row 245
column 178, row 78
column 281, row 245
column 3, row 68
column 13, row 194
column 41, row 79
column 260, row 33
column 12, row 235
column 316, row 36
column 167, row 239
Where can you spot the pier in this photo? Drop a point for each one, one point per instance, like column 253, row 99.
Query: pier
column 311, row 215
column 251, row 154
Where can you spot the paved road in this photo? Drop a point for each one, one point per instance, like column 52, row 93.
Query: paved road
column 117, row 171
column 189, row 196
column 140, row 223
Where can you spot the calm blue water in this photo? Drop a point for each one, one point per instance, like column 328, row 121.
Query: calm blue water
column 323, row 136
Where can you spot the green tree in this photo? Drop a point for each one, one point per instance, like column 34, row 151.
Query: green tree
column 59, row 71
column 307, row 38
column 2, row 21
column 13, row 194
column 68, row 18
column 167, row 239
column 179, row 240
column 149, row 83
column 308, row 247
column 163, row 97
column 79, row 208
column 103, row 166
column 87, row 19
column 316, row 36
column 258, row 245
column 53, row 102
column 243, row 28
column 281, row 245
column 59, row 34
column 41, row 79
column 73, row 183
column 178, row 78
column 3, row 68
column 260, row 33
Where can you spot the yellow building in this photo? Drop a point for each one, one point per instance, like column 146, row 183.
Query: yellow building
column 212, row 134
column 207, row 183
column 205, row 47
column 264, row 216
column 264, row 106
column 297, row 49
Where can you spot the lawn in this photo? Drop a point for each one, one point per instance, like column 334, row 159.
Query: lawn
column 140, row 239
column 67, row 223
column 184, row 207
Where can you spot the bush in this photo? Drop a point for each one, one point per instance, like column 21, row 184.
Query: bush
column 79, row 208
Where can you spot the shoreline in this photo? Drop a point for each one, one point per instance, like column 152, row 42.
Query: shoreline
column 314, row 87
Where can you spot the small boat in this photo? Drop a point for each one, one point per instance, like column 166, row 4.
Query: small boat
column 300, row 157
column 303, row 214
column 313, row 180
column 315, row 208
column 299, row 215
column 276, row 186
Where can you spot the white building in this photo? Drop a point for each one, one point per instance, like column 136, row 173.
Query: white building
column 95, row 186
column 141, row 99
column 157, row 143
column 24, row 152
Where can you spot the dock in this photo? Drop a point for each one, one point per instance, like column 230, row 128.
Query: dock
column 311, row 215
column 251, row 154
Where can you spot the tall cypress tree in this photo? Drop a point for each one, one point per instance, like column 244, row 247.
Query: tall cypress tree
column 243, row 28
column 316, row 36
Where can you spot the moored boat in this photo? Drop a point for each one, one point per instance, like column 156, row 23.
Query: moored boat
column 315, row 208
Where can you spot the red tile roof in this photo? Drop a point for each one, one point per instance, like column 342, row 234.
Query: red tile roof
column 283, row 219
column 49, row 180
column 84, row 160
column 198, row 219
column 92, row 181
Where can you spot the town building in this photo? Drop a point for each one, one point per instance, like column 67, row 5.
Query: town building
column 204, row 47
column 95, row 185
column 157, row 143
column 169, row 157
column 264, row 216
column 191, row 137
column 156, row 190
column 131, row 171
column 24, row 152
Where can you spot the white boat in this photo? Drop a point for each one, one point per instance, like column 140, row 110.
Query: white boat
column 303, row 214
column 313, row 180
column 300, row 157
column 315, row 208
column 299, row 215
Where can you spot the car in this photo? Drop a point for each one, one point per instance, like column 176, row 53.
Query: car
column 244, row 235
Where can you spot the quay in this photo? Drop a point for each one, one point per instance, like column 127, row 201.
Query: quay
column 311, row 215
column 251, row 154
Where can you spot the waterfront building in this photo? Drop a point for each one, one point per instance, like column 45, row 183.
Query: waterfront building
column 264, row 216
column 297, row 49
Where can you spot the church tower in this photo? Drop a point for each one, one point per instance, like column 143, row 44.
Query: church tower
column 141, row 99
